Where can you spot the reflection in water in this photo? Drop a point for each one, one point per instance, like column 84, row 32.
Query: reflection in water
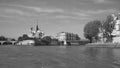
column 82, row 57
column 59, row 57
column 98, row 58
column 91, row 53
column 116, row 58
column 102, row 57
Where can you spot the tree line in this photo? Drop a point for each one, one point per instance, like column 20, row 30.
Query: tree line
column 45, row 40
column 3, row 38
column 93, row 28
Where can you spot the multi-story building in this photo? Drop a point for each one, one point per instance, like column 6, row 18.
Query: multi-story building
column 67, row 38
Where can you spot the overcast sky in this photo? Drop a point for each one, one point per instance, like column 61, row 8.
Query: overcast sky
column 17, row 16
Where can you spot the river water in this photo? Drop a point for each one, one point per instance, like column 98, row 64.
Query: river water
column 58, row 57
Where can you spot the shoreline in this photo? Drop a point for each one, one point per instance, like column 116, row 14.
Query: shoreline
column 103, row 45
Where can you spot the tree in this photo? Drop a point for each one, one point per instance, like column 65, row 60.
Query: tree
column 91, row 29
column 47, row 40
column 2, row 38
column 108, row 25
column 24, row 37
column 20, row 38
column 13, row 39
column 77, row 37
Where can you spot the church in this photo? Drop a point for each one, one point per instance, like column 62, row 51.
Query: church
column 37, row 33
column 34, row 33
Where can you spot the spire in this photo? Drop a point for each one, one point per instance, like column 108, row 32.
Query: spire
column 31, row 28
column 37, row 28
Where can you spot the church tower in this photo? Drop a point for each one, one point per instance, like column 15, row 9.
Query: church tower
column 37, row 33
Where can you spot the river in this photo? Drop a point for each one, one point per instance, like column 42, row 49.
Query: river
column 58, row 57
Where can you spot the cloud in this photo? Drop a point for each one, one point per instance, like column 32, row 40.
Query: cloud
column 100, row 11
column 47, row 10
column 102, row 1
column 64, row 17
column 18, row 12
column 81, row 14
column 65, row 12
column 7, row 21
column 14, row 11
column 39, row 9
column 56, row 13
column 6, row 16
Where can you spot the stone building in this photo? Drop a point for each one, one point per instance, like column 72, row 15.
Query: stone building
column 35, row 33
column 67, row 38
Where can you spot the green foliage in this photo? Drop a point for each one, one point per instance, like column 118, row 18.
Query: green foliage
column 13, row 39
column 47, row 40
column 20, row 38
column 24, row 37
column 77, row 37
column 91, row 29
column 108, row 25
column 2, row 38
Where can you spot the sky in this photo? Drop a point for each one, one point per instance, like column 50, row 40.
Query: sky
column 53, row 16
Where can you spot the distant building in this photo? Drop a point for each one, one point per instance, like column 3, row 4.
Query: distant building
column 67, row 38
column 26, row 42
column 35, row 33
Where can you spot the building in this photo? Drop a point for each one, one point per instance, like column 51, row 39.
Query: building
column 67, row 38
column 116, row 31
column 26, row 42
column 37, row 34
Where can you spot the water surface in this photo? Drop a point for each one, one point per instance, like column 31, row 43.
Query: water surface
column 58, row 57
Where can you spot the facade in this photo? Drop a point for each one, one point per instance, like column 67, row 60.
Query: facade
column 67, row 38
column 26, row 42
column 35, row 33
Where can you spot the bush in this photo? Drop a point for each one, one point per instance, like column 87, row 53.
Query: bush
column 7, row 43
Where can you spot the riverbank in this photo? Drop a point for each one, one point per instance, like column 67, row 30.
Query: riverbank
column 104, row 45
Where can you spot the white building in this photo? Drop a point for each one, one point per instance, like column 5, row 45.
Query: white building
column 66, row 37
column 116, row 31
column 62, row 37
column 26, row 42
